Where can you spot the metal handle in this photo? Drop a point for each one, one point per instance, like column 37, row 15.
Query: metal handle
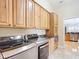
column 44, row 45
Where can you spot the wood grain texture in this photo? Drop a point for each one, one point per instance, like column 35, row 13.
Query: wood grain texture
column 30, row 14
column 19, row 13
column 37, row 16
column 53, row 26
column 5, row 13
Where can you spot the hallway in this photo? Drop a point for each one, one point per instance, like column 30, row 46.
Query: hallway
column 69, row 51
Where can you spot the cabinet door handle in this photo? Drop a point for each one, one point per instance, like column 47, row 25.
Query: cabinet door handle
column 9, row 24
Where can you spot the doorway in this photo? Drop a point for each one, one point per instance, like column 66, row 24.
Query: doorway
column 71, row 27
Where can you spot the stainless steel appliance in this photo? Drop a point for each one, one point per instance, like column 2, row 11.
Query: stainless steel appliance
column 43, row 48
column 43, row 45
column 43, row 51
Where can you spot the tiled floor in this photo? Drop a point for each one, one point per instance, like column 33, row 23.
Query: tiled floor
column 69, row 51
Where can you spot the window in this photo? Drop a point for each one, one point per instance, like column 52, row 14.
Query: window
column 72, row 24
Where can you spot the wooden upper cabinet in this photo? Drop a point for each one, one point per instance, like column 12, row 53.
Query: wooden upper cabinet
column 43, row 22
column 53, row 27
column 5, row 13
column 24, row 14
column 48, row 20
column 44, row 19
column 30, row 14
column 19, row 13
column 37, row 16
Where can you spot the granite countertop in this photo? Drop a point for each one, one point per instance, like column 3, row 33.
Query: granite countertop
column 19, row 49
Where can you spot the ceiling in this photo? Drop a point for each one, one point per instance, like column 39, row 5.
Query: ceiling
column 54, row 3
column 71, row 21
column 59, row 3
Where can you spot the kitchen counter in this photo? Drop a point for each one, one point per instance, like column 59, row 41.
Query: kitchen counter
column 14, row 52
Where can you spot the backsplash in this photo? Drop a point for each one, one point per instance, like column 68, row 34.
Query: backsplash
column 13, row 32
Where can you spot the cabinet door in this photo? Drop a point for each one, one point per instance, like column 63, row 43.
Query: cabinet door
column 37, row 16
column 19, row 13
column 43, row 19
column 48, row 20
column 55, row 24
column 5, row 13
column 28, row 54
column 55, row 30
column 55, row 19
column 50, row 32
column 30, row 14
column 51, row 45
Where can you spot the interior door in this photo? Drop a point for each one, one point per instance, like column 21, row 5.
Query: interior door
column 5, row 13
